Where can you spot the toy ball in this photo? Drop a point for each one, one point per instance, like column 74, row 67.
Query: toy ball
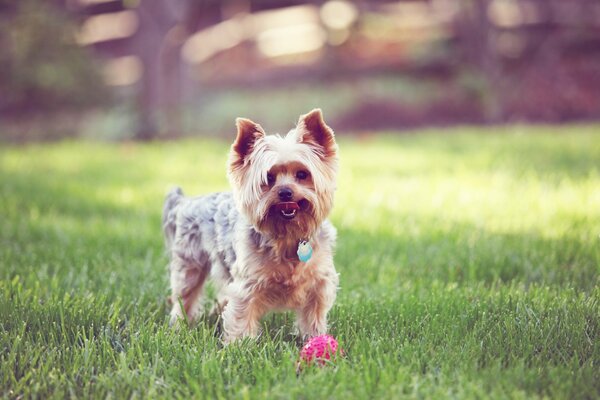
column 320, row 348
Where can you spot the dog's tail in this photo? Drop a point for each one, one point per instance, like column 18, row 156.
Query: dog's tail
column 169, row 216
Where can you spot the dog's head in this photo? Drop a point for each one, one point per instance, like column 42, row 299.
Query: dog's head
column 284, row 185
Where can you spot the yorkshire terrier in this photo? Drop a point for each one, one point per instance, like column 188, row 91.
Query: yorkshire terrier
column 267, row 245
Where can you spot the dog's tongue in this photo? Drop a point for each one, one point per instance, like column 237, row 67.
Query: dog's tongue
column 287, row 206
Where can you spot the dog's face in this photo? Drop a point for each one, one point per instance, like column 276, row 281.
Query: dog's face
column 284, row 185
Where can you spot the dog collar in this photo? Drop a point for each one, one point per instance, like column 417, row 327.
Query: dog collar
column 305, row 250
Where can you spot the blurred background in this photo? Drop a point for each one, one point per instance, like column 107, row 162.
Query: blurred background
column 161, row 69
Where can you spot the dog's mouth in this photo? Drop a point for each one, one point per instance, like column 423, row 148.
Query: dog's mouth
column 289, row 209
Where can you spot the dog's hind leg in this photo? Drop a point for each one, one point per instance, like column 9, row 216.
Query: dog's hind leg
column 187, row 282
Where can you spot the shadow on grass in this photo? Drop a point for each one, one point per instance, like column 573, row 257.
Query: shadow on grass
column 463, row 254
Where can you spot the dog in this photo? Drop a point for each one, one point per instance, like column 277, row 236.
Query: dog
column 267, row 245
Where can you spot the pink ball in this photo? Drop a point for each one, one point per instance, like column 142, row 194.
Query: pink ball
column 321, row 347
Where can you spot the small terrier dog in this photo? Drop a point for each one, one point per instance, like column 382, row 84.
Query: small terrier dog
column 267, row 245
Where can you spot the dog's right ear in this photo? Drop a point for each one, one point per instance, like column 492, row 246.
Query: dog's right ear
column 248, row 132
column 314, row 130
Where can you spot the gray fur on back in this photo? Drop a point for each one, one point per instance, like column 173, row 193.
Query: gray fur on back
column 200, row 230
column 168, row 218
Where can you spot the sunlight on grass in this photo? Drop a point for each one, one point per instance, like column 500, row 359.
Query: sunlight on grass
column 469, row 263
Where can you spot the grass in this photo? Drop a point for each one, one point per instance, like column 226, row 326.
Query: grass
column 469, row 265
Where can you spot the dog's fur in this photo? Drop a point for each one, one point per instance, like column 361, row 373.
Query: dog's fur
column 243, row 242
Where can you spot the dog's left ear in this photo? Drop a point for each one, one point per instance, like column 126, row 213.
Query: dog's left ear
column 248, row 132
column 313, row 130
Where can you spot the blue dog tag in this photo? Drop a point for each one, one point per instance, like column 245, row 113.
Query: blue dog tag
column 305, row 251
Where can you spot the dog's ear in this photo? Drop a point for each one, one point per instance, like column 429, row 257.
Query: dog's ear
column 315, row 131
column 248, row 132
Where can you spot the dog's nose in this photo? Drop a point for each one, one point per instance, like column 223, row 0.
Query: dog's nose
column 285, row 194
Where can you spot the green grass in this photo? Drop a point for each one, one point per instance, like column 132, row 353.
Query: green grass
column 469, row 265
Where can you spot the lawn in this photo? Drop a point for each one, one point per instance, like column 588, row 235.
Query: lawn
column 469, row 264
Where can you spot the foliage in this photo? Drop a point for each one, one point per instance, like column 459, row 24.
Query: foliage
column 469, row 268
column 43, row 69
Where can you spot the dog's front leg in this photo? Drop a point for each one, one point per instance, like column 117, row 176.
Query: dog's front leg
column 312, row 317
column 241, row 316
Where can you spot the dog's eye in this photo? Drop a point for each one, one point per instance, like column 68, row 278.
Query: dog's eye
column 270, row 179
column 301, row 175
